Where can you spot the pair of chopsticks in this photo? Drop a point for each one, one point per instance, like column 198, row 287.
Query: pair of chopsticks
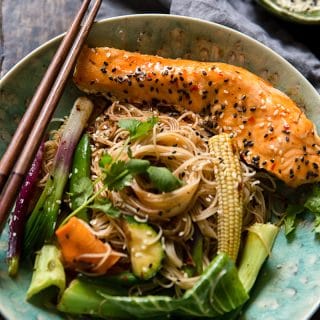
column 16, row 163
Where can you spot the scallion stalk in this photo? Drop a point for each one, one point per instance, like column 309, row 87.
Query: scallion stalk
column 41, row 224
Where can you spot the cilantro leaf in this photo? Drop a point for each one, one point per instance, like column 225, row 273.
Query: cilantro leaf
column 83, row 189
column 137, row 128
column 117, row 177
column 317, row 224
column 163, row 179
column 130, row 125
column 105, row 160
column 290, row 219
column 313, row 201
column 105, row 206
column 136, row 166
column 313, row 205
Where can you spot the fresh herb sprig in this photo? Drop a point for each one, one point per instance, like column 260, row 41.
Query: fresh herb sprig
column 117, row 174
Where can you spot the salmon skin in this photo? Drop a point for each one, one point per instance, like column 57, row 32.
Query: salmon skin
column 270, row 131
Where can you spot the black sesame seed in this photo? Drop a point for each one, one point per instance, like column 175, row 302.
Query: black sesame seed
column 253, row 109
column 266, row 135
column 291, row 173
column 105, row 63
column 315, row 165
column 226, row 80
column 272, row 160
column 114, row 69
column 210, row 83
column 204, row 72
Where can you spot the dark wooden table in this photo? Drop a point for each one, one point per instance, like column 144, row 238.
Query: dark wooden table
column 26, row 24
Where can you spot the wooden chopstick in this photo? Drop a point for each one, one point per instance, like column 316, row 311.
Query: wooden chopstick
column 31, row 145
column 26, row 123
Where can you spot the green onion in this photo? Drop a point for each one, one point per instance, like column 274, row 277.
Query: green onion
column 41, row 224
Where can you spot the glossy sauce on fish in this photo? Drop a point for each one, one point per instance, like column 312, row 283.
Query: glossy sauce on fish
column 269, row 129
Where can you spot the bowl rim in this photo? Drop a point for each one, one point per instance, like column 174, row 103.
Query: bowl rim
column 38, row 50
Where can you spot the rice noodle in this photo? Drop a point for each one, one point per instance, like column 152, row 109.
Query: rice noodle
column 181, row 144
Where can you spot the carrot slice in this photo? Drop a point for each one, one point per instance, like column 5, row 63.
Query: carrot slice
column 80, row 248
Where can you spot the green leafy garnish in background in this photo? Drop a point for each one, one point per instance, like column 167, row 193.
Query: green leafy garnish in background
column 290, row 219
column 313, row 205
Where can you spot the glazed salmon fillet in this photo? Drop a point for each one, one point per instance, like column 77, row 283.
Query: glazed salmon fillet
column 269, row 129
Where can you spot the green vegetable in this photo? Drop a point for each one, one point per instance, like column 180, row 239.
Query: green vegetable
column 163, row 179
column 137, row 166
column 257, row 247
column 197, row 252
column 117, row 176
column 137, row 128
column 124, row 279
column 80, row 170
column 313, row 205
column 105, row 160
column 41, row 224
column 48, row 273
column 105, row 205
column 290, row 218
column 146, row 254
column 218, row 291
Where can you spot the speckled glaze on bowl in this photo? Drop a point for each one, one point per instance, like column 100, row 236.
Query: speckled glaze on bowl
column 289, row 283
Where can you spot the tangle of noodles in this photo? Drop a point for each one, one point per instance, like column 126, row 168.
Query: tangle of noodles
column 179, row 141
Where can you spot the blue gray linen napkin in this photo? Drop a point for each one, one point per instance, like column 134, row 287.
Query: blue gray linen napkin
column 246, row 17
column 243, row 15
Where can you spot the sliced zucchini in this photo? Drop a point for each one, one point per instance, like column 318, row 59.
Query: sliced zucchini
column 146, row 252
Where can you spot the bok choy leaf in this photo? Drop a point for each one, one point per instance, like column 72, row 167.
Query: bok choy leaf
column 218, row 291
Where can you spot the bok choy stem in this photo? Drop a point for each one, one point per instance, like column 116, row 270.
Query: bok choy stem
column 257, row 248
column 48, row 272
column 41, row 224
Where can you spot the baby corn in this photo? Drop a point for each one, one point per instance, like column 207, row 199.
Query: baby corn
column 230, row 197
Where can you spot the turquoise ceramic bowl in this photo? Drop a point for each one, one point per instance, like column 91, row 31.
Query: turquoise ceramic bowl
column 289, row 283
